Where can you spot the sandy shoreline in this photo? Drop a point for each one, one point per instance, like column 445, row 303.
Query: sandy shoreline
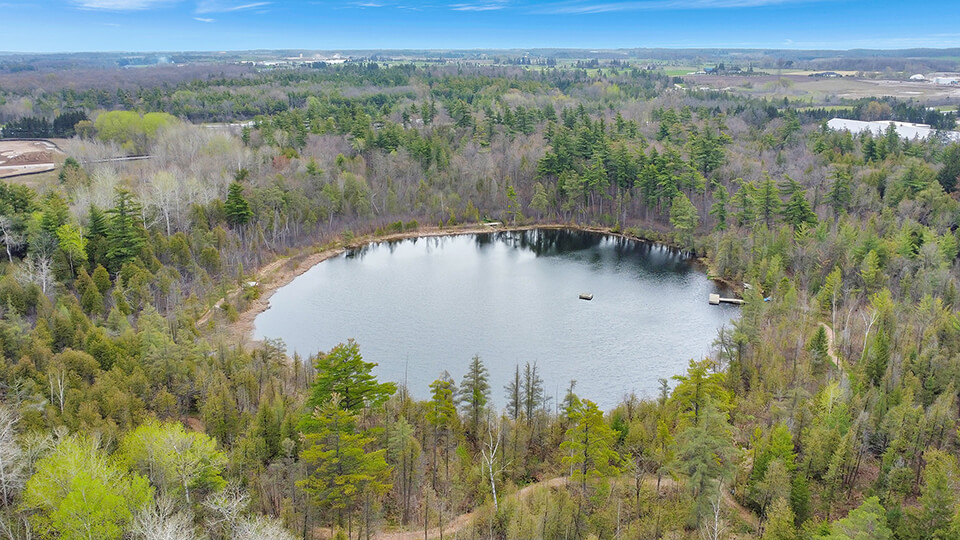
column 282, row 271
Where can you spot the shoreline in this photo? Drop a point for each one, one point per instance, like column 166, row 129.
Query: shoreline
column 284, row 270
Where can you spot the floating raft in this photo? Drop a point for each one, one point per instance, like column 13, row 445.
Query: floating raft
column 715, row 299
column 586, row 296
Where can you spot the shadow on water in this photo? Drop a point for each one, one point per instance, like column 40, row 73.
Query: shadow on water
column 595, row 247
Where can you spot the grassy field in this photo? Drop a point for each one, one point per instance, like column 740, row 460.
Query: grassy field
column 816, row 91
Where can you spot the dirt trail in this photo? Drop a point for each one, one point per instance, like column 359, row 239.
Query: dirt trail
column 463, row 521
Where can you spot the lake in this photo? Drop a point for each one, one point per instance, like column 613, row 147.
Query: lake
column 420, row 306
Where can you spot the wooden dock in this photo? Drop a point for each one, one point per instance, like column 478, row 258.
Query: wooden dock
column 715, row 300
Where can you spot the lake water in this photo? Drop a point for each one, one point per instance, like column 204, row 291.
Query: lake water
column 421, row 306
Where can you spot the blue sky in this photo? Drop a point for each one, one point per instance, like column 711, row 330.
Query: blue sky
column 214, row 25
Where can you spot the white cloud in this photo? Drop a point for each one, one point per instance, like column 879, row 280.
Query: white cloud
column 578, row 7
column 203, row 19
column 123, row 5
column 220, row 6
column 478, row 7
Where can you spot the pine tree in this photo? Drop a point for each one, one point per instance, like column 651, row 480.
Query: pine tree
column 818, row 348
column 124, row 234
column 588, row 445
column 768, row 200
column 442, row 415
column 533, row 395
column 342, row 371
column 474, row 394
column 950, row 173
column 839, row 195
column 797, row 212
column 721, row 197
column 867, row 521
column 341, row 471
column 938, row 498
column 744, row 203
column 698, row 387
column 514, row 394
column 705, row 455
column 236, row 208
column 684, row 217
column 780, row 522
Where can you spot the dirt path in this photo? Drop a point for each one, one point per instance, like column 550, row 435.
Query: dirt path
column 463, row 521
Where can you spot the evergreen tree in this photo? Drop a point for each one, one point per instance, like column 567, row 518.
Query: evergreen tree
column 768, row 200
column 797, row 212
column 684, row 217
column 780, row 523
column 698, row 387
column 474, row 394
column 97, row 236
column 938, row 497
column 839, row 195
column 442, row 415
column 705, row 455
column 721, row 197
column 818, row 348
column 588, row 445
column 236, row 208
column 340, row 469
column 949, row 174
column 744, row 203
column 866, row 522
column 342, row 371
column 124, row 232
column 514, row 394
column 533, row 395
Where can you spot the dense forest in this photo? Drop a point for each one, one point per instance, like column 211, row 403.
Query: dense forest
column 131, row 409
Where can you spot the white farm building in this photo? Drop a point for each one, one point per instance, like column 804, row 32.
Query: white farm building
column 904, row 129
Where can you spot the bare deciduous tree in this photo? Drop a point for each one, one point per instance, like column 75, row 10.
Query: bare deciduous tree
column 225, row 508
column 163, row 522
column 261, row 528
column 493, row 462
column 11, row 239
column 38, row 269
column 11, row 457
column 716, row 528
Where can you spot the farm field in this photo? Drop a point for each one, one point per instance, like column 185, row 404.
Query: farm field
column 26, row 157
column 823, row 90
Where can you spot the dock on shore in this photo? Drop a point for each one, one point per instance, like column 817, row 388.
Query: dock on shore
column 715, row 299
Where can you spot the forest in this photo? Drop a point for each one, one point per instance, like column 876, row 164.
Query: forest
column 131, row 407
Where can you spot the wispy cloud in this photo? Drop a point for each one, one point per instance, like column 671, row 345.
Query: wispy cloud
column 204, row 19
column 220, row 6
column 122, row 5
column 581, row 7
column 491, row 6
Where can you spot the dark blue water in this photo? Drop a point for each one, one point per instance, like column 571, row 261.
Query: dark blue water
column 419, row 307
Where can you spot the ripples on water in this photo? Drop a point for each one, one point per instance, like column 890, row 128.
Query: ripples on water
column 421, row 306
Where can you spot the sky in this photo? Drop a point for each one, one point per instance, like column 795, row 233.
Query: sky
column 222, row 25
